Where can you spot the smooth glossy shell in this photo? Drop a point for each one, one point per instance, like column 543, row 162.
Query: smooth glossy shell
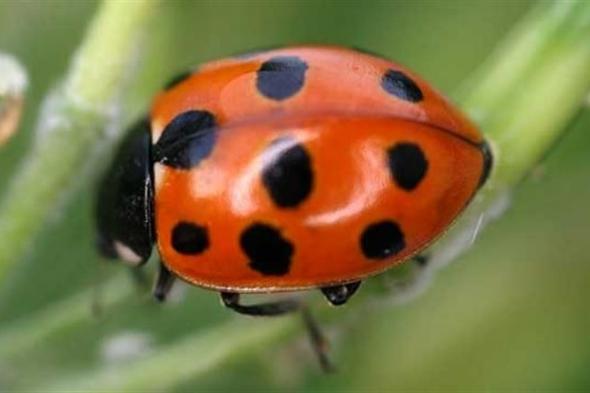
column 337, row 80
column 347, row 126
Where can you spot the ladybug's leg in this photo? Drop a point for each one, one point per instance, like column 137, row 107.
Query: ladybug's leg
column 338, row 295
column 232, row 300
column 318, row 341
column 164, row 283
column 421, row 260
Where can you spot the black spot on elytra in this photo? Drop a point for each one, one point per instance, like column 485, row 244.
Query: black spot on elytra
column 407, row 165
column 268, row 251
column 401, row 86
column 177, row 80
column 189, row 238
column 382, row 239
column 288, row 176
column 186, row 140
column 488, row 161
column 281, row 77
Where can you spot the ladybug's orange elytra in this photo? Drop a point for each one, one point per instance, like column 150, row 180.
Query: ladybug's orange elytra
column 294, row 168
column 289, row 169
column 345, row 124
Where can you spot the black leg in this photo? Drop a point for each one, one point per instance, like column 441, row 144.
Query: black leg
column 318, row 342
column 164, row 283
column 338, row 295
column 232, row 300
column 421, row 260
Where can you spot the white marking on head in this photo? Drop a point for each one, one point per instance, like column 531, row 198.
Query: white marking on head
column 159, row 175
column 126, row 254
column 157, row 129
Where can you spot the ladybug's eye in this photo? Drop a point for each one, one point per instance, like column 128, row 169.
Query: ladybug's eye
column 124, row 210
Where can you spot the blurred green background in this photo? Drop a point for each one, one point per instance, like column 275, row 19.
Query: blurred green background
column 512, row 314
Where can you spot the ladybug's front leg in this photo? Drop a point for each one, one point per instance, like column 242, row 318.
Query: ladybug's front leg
column 282, row 307
column 164, row 283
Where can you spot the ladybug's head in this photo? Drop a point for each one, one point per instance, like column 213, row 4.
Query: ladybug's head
column 124, row 209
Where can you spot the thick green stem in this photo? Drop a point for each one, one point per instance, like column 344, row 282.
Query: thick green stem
column 71, row 125
column 524, row 99
column 179, row 361
column 530, row 89
column 30, row 332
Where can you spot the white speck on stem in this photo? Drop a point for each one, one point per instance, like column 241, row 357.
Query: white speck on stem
column 177, row 292
column 457, row 242
column 13, row 80
column 476, row 229
column 125, row 346
column 51, row 117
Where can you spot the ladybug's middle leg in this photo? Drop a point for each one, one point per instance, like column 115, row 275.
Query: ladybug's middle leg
column 232, row 300
column 338, row 295
column 282, row 307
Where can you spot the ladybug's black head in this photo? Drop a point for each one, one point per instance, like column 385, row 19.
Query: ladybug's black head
column 124, row 209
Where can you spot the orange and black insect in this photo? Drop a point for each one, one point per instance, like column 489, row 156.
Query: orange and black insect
column 295, row 168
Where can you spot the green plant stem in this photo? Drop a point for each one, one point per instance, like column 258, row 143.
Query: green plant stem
column 524, row 98
column 31, row 331
column 71, row 125
column 527, row 93
column 179, row 359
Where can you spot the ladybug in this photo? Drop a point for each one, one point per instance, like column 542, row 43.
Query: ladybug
column 289, row 169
